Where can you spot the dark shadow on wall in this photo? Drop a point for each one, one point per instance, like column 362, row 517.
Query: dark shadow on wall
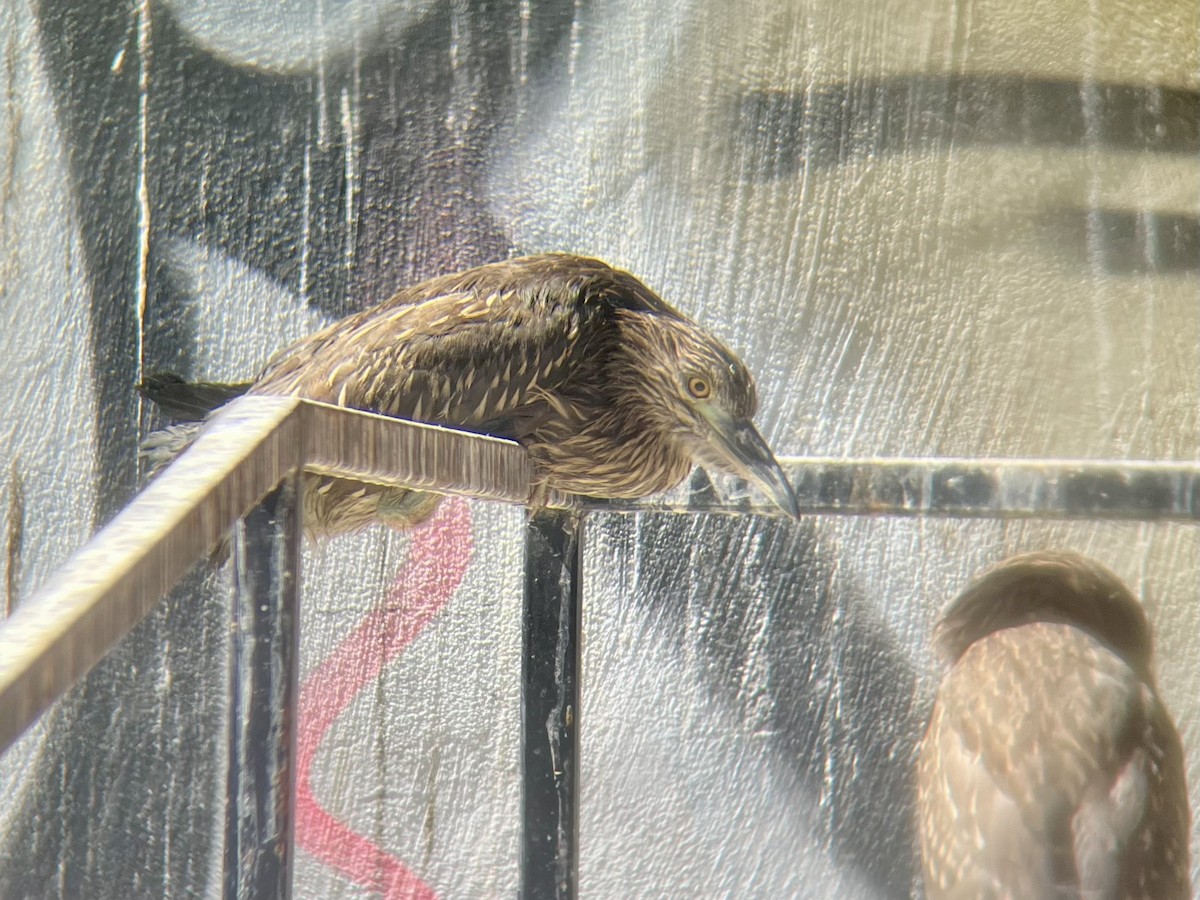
column 839, row 692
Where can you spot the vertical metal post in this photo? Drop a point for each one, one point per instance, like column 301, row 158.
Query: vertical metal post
column 550, row 706
column 260, row 817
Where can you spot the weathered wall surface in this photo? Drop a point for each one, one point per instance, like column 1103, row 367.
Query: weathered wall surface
column 961, row 228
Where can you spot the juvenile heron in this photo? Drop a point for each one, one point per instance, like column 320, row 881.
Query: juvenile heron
column 1051, row 769
column 613, row 392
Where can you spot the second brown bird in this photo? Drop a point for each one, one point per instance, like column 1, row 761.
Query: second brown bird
column 1050, row 768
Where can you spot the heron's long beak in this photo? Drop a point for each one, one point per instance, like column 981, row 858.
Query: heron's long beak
column 738, row 447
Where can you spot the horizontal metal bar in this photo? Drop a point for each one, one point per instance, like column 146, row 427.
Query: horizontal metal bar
column 383, row 450
column 966, row 488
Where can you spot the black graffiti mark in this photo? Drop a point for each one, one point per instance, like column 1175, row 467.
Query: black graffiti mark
column 836, row 123
column 241, row 165
column 97, row 113
column 829, row 125
column 268, row 169
column 1133, row 242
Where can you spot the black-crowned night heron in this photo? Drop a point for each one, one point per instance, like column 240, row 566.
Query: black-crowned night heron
column 612, row 391
column 1050, row 768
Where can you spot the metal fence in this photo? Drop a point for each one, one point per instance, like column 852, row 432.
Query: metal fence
column 242, row 473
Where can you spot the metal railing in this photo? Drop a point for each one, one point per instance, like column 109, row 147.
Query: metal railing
column 254, row 449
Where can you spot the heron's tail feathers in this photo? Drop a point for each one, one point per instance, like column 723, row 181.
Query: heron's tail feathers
column 188, row 404
column 186, row 401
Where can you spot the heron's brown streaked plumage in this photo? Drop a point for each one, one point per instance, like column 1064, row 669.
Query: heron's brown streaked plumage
column 582, row 363
column 1050, row 768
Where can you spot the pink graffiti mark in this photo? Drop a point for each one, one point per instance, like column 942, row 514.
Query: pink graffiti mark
column 437, row 561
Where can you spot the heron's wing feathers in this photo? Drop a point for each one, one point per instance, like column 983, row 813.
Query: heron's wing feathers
column 487, row 350
column 496, row 364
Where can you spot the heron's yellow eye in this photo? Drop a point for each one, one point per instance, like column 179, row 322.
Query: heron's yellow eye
column 699, row 388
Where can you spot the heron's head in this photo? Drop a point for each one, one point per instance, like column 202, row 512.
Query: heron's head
column 693, row 388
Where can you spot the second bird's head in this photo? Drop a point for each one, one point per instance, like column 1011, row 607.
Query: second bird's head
column 697, row 391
